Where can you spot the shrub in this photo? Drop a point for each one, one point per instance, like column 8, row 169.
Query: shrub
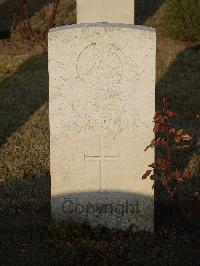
column 182, row 19
column 169, row 143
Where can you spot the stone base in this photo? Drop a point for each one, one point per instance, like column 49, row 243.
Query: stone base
column 110, row 209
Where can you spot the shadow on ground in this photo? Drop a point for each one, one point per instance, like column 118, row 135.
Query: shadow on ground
column 10, row 13
column 9, row 9
column 22, row 94
column 145, row 9
column 36, row 240
column 27, row 195
column 181, row 84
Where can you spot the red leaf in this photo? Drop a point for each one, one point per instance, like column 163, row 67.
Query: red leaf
column 185, row 174
column 156, row 127
column 157, row 117
column 163, row 165
column 170, row 113
column 176, row 174
column 163, row 142
column 148, row 172
column 158, row 141
column 153, row 165
column 154, row 177
column 165, row 180
column 158, row 161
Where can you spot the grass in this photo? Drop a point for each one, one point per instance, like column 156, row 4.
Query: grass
column 182, row 19
column 66, row 15
column 24, row 115
column 83, row 245
column 25, row 195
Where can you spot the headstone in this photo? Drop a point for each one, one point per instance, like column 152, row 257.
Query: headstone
column 112, row 11
column 102, row 100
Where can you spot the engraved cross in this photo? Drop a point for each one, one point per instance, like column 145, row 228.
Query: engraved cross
column 101, row 157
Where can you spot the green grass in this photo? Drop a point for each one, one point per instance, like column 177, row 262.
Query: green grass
column 182, row 19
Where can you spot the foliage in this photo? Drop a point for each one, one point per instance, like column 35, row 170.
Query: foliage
column 84, row 245
column 167, row 140
column 182, row 19
column 80, row 244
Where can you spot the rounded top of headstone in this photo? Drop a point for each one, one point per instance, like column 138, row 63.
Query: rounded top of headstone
column 102, row 25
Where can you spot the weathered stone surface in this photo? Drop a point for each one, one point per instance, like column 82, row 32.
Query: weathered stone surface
column 112, row 11
column 102, row 100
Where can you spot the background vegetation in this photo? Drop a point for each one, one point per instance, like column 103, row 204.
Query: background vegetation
column 182, row 19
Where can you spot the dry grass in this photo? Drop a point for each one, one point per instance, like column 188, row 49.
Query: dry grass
column 24, row 133
column 66, row 14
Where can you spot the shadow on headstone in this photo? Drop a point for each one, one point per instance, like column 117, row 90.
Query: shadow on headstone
column 22, row 94
column 115, row 209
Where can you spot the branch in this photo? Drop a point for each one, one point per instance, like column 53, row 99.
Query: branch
column 53, row 16
column 24, row 15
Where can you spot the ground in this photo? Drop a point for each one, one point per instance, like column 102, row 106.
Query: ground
column 24, row 158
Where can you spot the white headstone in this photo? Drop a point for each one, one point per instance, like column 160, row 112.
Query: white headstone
column 102, row 98
column 112, row 11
